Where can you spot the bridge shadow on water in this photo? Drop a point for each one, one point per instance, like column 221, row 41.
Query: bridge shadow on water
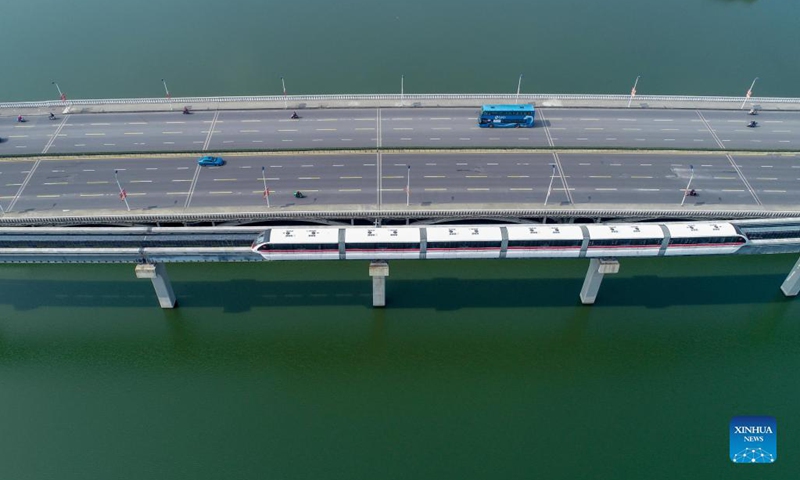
column 441, row 294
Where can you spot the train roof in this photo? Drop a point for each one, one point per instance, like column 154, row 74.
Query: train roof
column 464, row 234
column 383, row 234
column 704, row 229
column 304, row 235
column 632, row 231
column 544, row 232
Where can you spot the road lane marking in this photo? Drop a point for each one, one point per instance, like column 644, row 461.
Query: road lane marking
column 133, row 133
column 288, row 130
column 518, row 176
column 93, row 194
column 56, row 183
column 248, row 131
column 308, row 178
column 220, row 193
column 47, row 196
column 521, row 189
column 640, row 176
column 141, row 181
column 225, row 179
column 94, row 134
column 434, row 176
column 325, row 129
column 350, row 178
column 98, row 182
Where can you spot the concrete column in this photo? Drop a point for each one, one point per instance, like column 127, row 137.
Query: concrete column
column 598, row 267
column 379, row 271
column 157, row 273
column 791, row 286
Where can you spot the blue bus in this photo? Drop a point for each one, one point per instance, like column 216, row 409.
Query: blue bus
column 506, row 116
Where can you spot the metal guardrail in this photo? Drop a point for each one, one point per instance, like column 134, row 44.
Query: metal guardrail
column 388, row 97
column 249, row 217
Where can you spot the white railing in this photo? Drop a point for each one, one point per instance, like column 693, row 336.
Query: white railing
column 406, row 98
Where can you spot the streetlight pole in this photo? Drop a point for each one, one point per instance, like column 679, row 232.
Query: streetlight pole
column 285, row 101
column 402, row 81
column 266, row 190
column 408, row 186
column 686, row 192
column 633, row 90
column 550, row 187
column 378, row 166
column 749, row 93
column 60, row 93
column 165, row 88
column 519, row 85
column 123, row 195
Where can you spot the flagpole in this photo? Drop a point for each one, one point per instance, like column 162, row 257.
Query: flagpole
column 165, row 88
column 550, row 187
column 633, row 91
column 285, row 101
column 122, row 194
column 686, row 192
column 749, row 93
column 519, row 85
column 402, row 81
column 266, row 190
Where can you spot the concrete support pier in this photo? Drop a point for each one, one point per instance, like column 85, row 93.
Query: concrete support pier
column 157, row 273
column 379, row 271
column 791, row 286
column 598, row 267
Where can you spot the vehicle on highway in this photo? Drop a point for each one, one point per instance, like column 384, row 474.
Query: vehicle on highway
column 752, row 124
column 504, row 116
column 209, row 161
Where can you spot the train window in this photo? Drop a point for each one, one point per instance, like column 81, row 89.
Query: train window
column 301, row 247
column 625, row 242
column 382, row 246
column 544, row 243
column 462, row 245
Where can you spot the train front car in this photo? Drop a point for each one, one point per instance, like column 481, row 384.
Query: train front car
column 463, row 242
column 303, row 243
column 543, row 241
column 703, row 238
column 385, row 243
column 624, row 240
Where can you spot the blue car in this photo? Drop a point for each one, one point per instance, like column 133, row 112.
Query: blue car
column 211, row 162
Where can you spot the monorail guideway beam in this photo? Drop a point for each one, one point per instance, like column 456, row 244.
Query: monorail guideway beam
column 157, row 273
column 598, row 268
column 791, row 286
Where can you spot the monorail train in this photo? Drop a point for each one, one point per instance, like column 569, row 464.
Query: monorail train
column 499, row 241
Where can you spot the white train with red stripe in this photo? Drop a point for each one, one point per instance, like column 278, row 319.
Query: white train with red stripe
column 499, row 241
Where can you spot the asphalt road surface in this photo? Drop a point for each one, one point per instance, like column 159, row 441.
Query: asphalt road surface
column 391, row 128
column 590, row 179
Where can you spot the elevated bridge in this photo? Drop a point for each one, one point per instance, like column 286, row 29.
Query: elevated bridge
column 151, row 248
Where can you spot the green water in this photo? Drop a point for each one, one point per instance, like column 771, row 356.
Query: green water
column 476, row 369
column 99, row 49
